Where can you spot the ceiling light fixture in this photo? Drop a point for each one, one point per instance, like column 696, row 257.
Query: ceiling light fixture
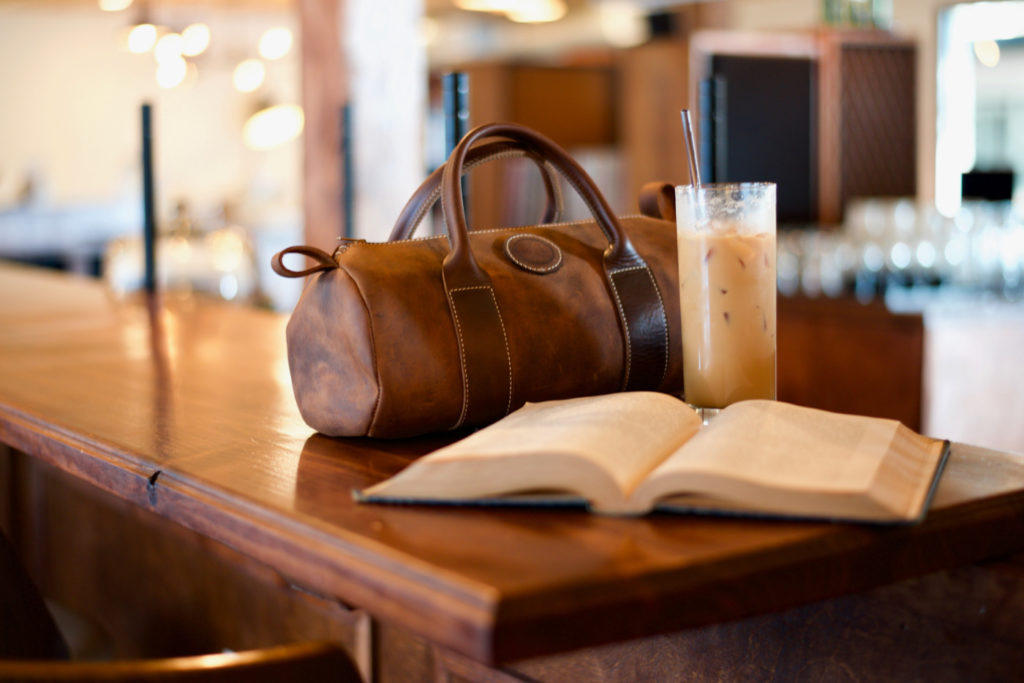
column 141, row 38
column 273, row 125
column 249, row 75
column 275, row 43
column 170, row 73
column 114, row 5
column 195, row 38
column 987, row 52
column 537, row 11
column 168, row 48
column 522, row 11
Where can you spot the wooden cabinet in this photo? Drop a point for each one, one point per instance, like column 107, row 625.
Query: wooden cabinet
column 617, row 114
column 621, row 107
column 574, row 104
column 844, row 356
column 828, row 115
column 654, row 80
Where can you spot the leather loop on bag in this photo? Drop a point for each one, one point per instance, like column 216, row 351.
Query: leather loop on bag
column 638, row 302
column 429, row 192
column 322, row 258
column 658, row 200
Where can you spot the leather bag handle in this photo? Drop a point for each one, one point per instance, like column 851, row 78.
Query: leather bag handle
column 483, row 345
column 429, row 192
column 620, row 253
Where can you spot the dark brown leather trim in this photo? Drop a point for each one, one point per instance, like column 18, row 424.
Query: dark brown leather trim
column 642, row 312
column 483, row 353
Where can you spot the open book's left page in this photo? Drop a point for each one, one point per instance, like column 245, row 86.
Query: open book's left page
column 598, row 448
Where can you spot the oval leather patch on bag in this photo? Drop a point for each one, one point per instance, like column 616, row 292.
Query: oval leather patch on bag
column 534, row 253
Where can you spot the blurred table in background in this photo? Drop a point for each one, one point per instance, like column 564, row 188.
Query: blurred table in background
column 842, row 355
column 904, row 312
column 70, row 238
column 944, row 362
column 974, row 371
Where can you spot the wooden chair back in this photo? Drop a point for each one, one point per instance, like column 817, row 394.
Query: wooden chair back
column 32, row 649
column 303, row 662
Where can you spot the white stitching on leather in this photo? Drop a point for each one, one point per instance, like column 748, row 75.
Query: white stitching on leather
column 504, row 338
column 625, row 324
column 508, row 352
column 527, row 266
column 664, row 319
column 593, row 209
column 468, row 166
column 462, row 355
column 520, row 228
column 431, row 199
column 554, row 175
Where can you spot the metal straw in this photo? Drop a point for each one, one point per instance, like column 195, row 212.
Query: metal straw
column 691, row 148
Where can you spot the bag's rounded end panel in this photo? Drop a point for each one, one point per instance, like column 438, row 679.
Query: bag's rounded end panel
column 331, row 323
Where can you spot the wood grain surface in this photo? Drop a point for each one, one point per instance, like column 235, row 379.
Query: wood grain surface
column 184, row 408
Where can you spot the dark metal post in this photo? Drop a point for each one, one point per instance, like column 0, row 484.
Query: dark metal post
column 455, row 98
column 455, row 95
column 148, row 200
column 347, row 181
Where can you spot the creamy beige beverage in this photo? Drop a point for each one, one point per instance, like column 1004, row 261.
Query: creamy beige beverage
column 726, row 241
column 727, row 293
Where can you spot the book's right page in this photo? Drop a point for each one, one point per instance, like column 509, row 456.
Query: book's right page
column 775, row 458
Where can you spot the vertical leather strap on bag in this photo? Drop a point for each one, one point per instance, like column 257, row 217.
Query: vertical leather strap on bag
column 483, row 346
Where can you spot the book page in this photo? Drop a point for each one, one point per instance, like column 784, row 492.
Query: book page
column 783, row 446
column 626, row 434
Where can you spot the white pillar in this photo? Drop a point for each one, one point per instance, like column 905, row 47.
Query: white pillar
column 387, row 92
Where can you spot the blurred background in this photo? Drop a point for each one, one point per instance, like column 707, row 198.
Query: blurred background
column 894, row 127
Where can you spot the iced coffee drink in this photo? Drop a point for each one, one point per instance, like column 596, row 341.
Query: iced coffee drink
column 726, row 240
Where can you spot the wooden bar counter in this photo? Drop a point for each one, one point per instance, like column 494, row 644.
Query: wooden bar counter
column 183, row 410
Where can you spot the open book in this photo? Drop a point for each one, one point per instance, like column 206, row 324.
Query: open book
column 630, row 453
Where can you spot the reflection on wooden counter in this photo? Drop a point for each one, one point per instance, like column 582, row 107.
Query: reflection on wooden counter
column 185, row 413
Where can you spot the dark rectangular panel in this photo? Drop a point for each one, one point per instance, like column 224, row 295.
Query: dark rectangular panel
column 765, row 128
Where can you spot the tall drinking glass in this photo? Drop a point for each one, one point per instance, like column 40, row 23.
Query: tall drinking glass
column 726, row 241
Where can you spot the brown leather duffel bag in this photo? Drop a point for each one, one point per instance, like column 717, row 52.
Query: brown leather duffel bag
column 409, row 336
